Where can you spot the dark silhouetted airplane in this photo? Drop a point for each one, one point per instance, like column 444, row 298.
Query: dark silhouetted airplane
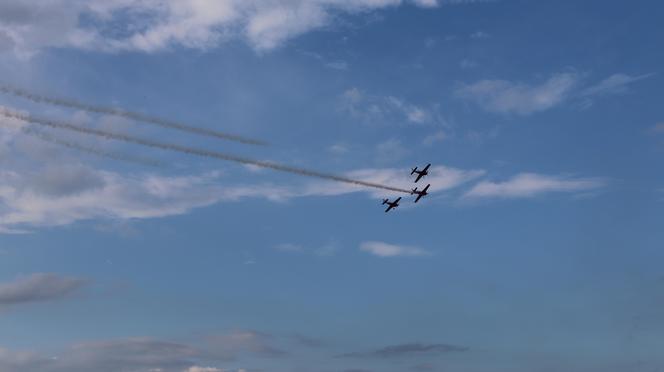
column 393, row 204
column 420, row 194
column 420, row 173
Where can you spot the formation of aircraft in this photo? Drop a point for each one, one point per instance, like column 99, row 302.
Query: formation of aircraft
column 420, row 193
column 420, row 173
column 392, row 205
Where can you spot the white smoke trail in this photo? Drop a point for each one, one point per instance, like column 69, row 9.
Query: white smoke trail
column 194, row 151
column 70, row 103
column 90, row 150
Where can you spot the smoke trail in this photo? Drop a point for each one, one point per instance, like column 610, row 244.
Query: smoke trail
column 194, row 151
column 69, row 103
column 90, row 150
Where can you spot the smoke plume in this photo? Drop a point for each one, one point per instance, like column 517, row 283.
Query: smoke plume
column 194, row 151
column 70, row 103
column 90, row 150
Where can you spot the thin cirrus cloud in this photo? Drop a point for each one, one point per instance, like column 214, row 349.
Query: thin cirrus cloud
column 39, row 287
column 510, row 97
column 384, row 250
column 153, row 25
column 136, row 354
column 658, row 128
column 53, row 196
column 147, row 354
column 527, row 185
column 417, row 349
column 378, row 109
column 506, row 97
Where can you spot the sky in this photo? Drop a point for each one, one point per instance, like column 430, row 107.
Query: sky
column 538, row 248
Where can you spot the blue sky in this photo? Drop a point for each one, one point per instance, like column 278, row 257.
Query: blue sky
column 538, row 249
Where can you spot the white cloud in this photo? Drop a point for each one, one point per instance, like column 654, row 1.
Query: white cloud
column 530, row 184
column 427, row 3
column 441, row 178
column 28, row 201
column 135, row 354
column 391, row 151
column 468, row 63
column 614, row 84
column 479, row 35
column 38, row 288
column 339, row 149
column 507, row 97
column 381, row 249
column 203, row 369
column 145, row 354
column 337, row 65
column 658, row 128
column 386, row 109
column 152, row 25
column 289, row 247
column 328, row 249
column 431, row 139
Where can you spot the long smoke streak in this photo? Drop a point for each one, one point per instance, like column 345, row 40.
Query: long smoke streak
column 194, row 151
column 90, row 150
column 69, row 103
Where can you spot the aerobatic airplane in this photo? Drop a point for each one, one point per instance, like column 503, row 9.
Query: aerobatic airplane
column 420, row 173
column 393, row 204
column 420, row 194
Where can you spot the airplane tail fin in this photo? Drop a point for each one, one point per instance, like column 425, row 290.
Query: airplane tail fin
column 413, row 171
column 384, row 201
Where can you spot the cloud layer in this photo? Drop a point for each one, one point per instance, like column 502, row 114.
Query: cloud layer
column 516, row 97
column 153, row 25
column 407, row 350
column 38, row 288
column 144, row 354
column 382, row 249
column 526, row 185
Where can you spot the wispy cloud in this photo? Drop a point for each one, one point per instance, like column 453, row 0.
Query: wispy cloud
column 434, row 138
column 325, row 250
column 245, row 341
column 376, row 109
column 657, row 128
column 479, row 35
column 107, row 356
column 510, row 97
column 154, row 25
column 39, row 288
column 382, row 249
column 407, row 350
column 391, row 151
column 200, row 354
column 526, row 185
column 442, row 178
column 614, row 84
column 204, row 369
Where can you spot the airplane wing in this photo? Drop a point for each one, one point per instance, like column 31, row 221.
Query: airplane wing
column 426, row 168
column 419, row 196
column 389, row 208
column 419, row 176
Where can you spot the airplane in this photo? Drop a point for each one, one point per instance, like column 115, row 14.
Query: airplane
column 420, row 173
column 393, row 204
column 420, row 194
